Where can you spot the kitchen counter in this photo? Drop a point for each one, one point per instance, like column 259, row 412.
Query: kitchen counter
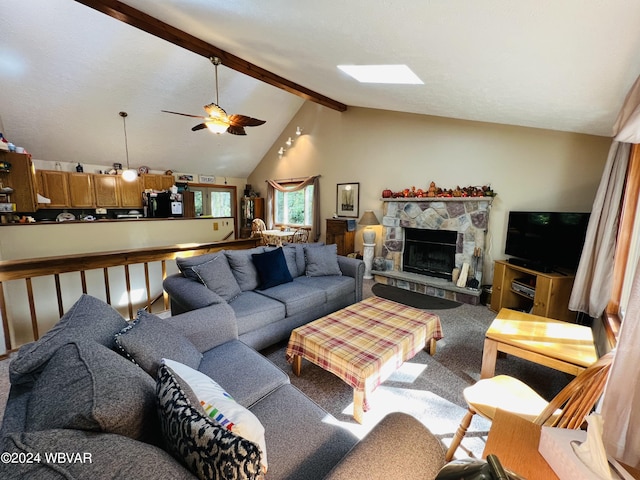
column 40, row 239
column 102, row 220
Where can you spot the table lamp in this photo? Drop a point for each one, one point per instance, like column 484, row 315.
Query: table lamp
column 369, row 219
column 368, row 240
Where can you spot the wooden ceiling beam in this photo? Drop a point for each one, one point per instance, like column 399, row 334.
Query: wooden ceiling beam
column 149, row 24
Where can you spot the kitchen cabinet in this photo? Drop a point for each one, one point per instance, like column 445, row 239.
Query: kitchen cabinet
column 22, row 179
column 106, row 190
column 342, row 232
column 81, row 192
column 129, row 193
column 55, row 186
column 152, row 181
column 543, row 294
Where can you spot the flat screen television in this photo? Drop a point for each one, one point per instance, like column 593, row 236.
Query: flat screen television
column 546, row 241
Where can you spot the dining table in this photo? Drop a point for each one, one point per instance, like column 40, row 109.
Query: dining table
column 277, row 237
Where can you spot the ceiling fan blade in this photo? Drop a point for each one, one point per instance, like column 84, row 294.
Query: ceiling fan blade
column 215, row 110
column 236, row 130
column 244, row 121
column 200, row 126
column 183, row 114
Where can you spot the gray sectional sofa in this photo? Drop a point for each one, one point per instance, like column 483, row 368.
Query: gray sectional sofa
column 97, row 389
column 270, row 290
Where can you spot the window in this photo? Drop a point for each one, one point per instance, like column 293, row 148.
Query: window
column 213, row 202
column 294, row 208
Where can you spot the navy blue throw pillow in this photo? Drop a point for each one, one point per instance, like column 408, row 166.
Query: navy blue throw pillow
column 272, row 268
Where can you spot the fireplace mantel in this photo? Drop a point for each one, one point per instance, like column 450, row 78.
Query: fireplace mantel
column 438, row 199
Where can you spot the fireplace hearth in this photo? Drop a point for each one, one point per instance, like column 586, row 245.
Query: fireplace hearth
column 429, row 252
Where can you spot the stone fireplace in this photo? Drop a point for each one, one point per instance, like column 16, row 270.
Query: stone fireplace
column 424, row 239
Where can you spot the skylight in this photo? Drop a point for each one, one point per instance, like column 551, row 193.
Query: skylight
column 382, row 74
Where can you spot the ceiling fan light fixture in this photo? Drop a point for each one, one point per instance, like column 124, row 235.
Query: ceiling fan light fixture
column 216, row 125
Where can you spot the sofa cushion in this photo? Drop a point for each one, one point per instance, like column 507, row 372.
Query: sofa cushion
column 208, row 450
column 253, row 311
column 86, row 386
column 334, row 286
column 88, row 319
column 186, row 264
column 243, row 268
column 272, row 268
column 221, row 407
column 98, row 456
column 149, row 339
column 300, row 260
column 216, row 275
column 234, row 360
column 319, row 440
column 322, row 260
column 296, row 297
column 291, row 257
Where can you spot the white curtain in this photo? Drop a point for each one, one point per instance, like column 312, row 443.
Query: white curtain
column 621, row 403
column 594, row 278
column 288, row 186
column 592, row 287
column 592, row 290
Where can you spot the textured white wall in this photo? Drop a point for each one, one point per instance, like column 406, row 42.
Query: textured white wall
column 528, row 168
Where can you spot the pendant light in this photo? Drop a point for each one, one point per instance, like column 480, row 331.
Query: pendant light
column 128, row 175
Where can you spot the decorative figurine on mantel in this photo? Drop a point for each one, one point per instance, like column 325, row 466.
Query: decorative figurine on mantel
column 432, row 191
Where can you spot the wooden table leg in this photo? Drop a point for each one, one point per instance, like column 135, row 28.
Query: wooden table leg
column 489, row 355
column 432, row 346
column 296, row 365
column 358, row 405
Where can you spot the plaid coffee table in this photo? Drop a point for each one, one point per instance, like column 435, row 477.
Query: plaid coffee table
column 364, row 343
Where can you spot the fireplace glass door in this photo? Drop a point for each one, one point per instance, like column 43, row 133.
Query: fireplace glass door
column 429, row 252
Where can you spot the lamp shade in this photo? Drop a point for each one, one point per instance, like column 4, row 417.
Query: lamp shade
column 369, row 218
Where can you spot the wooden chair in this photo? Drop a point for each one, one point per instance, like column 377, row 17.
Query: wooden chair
column 301, row 235
column 257, row 227
column 567, row 410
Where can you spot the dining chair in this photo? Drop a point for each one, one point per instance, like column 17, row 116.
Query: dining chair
column 301, row 235
column 568, row 408
column 257, row 227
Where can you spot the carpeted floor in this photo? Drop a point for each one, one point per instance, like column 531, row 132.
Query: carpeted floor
column 429, row 388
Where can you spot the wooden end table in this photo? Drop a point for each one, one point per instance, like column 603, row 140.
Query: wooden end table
column 364, row 343
column 515, row 441
column 560, row 345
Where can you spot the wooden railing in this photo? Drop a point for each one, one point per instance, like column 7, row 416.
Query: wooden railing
column 28, row 270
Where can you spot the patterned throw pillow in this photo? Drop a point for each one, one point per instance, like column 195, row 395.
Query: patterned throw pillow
column 221, row 407
column 207, row 449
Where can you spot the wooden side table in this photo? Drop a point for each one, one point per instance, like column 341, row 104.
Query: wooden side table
column 556, row 344
column 515, row 442
column 342, row 232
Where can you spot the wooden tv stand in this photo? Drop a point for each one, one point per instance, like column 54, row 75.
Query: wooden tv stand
column 544, row 294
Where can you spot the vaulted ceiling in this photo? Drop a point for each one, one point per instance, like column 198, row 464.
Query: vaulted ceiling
column 66, row 70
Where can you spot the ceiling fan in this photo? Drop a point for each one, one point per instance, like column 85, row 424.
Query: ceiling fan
column 217, row 120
